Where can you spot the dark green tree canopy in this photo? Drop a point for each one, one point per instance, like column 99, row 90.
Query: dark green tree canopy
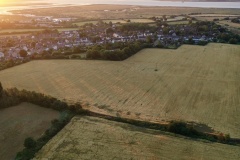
column 29, row 143
column 1, row 89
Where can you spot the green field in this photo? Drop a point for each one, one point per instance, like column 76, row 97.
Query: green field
column 192, row 83
column 94, row 138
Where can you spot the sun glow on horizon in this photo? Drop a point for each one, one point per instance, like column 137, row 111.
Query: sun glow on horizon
column 7, row 2
column 2, row 1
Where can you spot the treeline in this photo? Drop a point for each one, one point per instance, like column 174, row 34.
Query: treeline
column 11, row 63
column 14, row 96
column 116, row 52
column 109, row 51
column 228, row 37
column 6, row 100
column 236, row 20
column 135, row 27
column 60, row 54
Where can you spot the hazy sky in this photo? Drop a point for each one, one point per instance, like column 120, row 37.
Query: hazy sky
column 10, row 3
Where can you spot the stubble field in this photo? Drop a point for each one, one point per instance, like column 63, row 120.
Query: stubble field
column 192, row 83
column 20, row 122
column 12, row 31
column 142, row 20
column 93, row 138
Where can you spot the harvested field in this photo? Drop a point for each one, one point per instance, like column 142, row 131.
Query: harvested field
column 32, row 30
column 18, row 30
column 117, row 21
column 216, row 15
column 192, row 83
column 94, row 138
column 19, row 122
column 142, row 21
column 229, row 23
column 179, row 22
column 15, row 35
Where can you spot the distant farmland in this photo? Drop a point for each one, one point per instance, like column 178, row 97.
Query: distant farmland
column 95, row 138
column 143, row 20
column 192, row 83
column 14, row 31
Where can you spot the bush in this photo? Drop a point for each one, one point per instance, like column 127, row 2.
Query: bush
column 182, row 128
column 233, row 41
column 202, row 43
column 1, row 90
column 7, row 100
column 225, row 138
column 26, row 154
column 30, row 143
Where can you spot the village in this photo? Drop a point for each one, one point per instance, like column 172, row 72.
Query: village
column 161, row 35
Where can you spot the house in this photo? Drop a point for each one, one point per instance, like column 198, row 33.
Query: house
column 1, row 55
column 55, row 47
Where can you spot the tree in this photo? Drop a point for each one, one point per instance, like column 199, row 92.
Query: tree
column 109, row 31
column 165, row 30
column 30, row 143
column 233, row 41
column 159, row 45
column 23, row 53
column 110, row 24
column 149, row 39
column 164, row 18
column 1, row 90
column 33, row 44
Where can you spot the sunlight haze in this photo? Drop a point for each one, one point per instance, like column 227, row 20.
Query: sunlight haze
column 119, row 79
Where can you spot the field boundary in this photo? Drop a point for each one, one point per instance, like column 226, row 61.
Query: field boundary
column 14, row 96
column 183, row 128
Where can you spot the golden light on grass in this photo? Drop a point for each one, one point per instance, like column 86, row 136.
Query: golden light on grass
column 107, row 139
column 192, row 83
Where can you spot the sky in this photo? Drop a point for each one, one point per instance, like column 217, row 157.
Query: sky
column 15, row 1
column 22, row 3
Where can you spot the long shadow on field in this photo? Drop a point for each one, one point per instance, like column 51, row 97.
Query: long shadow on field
column 202, row 127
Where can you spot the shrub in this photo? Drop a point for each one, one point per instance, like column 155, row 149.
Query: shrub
column 30, row 143
column 1, row 90
column 182, row 128
column 26, row 154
